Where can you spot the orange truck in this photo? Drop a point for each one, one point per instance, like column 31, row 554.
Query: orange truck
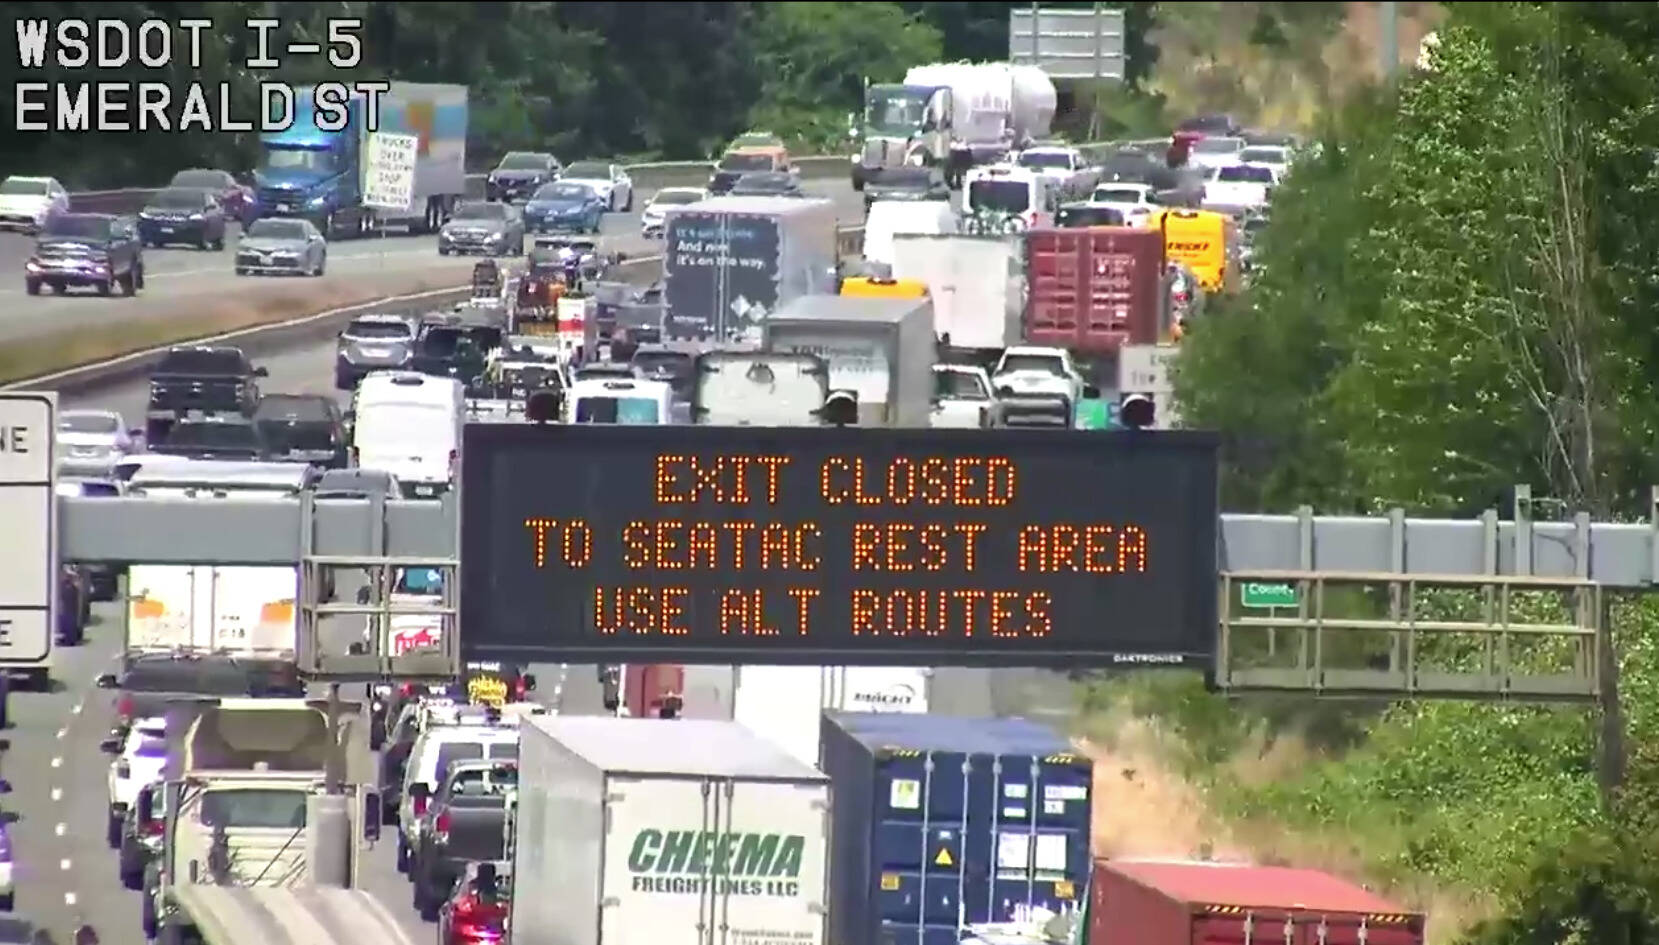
column 1183, row 902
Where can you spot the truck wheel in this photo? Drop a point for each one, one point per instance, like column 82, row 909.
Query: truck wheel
column 31, row 286
column 402, row 853
column 107, row 286
column 147, row 915
column 629, row 206
column 8, row 902
column 129, row 283
column 112, row 830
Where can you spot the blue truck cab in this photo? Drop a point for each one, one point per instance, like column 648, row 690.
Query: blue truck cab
column 305, row 171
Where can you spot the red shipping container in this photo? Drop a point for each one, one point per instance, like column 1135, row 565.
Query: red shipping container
column 1146, row 902
column 1093, row 290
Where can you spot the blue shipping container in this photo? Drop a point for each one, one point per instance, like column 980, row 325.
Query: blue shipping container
column 944, row 822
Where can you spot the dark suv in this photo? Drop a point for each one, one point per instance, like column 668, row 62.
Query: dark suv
column 92, row 250
column 200, row 378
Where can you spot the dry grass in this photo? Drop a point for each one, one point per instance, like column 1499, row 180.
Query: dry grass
column 1145, row 807
column 1208, row 64
column 271, row 303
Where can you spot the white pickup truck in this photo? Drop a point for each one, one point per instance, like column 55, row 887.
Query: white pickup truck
column 1026, row 370
column 1069, row 173
column 962, row 397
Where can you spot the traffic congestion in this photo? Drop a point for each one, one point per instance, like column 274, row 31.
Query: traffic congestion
column 1001, row 278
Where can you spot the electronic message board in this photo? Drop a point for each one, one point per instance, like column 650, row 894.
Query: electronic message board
column 605, row 543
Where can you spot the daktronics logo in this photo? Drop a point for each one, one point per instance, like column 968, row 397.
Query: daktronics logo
column 893, row 697
column 1183, row 246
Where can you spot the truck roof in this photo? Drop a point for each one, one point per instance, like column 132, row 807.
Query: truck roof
column 696, row 747
column 881, row 730
column 1251, row 886
column 755, row 204
column 844, row 308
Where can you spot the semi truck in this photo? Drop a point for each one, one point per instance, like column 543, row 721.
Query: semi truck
column 639, row 831
column 244, row 806
column 881, row 349
column 978, row 289
column 212, row 609
column 306, row 171
column 952, row 115
column 1094, row 290
column 730, row 261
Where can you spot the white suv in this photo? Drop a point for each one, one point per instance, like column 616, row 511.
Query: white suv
column 142, row 755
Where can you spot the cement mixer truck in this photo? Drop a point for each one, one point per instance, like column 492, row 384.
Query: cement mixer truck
column 952, row 115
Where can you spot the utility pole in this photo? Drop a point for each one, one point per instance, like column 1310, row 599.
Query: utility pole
column 1388, row 14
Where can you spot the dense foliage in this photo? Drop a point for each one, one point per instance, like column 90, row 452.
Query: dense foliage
column 1456, row 295
column 652, row 81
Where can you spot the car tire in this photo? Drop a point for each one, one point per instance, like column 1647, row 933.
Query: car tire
column 129, row 283
column 610, row 202
column 8, row 902
column 148, row 922
column 342, row 381
column 31, row 286
column 107, row 286
column 402, row 854
column 132, row 879
column 112, row 830
column 241, row 271
column 442, row 251
column 138, row 275
column 219, row 244
column 629, row 206
column 322, row 266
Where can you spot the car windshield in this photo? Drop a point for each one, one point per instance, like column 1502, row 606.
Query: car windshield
column 669, row 362
column 451, row 752
column 377, row 331
column 959, row 385
column 746, row 162
column 178, row 198
column 187, row 433
column 1262, row 156
column 623, row 410
column 267, row 808
column 563, row 191
column 293, row 408
column 1217, row 146
column 523, row 161
column 1030, row 362
column 1009, row 196
column 480, row 211
column 421, row 581
column 763, row 180
column 1245, row 173
column 212, row 179
column 272, row 229
column 588, row 170
column 1041, row 159
column 293, row 158
column 201, row 362
column 666, row 198
column 23, row 185
column 1115, row 195
column 88, row 423
column 484, row 782
column 78, row 226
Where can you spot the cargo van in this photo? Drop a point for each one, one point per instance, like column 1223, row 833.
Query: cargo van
column 409, row 424
column 890, row 217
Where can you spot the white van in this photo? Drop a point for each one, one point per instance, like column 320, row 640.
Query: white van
column 1006, row 189
column 890, row 217
column 618, row 400
column 409, row 425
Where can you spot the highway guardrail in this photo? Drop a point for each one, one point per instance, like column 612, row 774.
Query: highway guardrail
column 307, row 329
column 646, row 177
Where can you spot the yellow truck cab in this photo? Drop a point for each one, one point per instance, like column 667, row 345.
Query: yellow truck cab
column 1206, row 241
column 872, row 287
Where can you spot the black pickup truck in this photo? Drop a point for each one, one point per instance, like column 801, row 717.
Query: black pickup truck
column 200, row 378
column 466, row 821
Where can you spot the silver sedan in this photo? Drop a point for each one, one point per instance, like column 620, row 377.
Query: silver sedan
column 278, row 245
column 90, row 442
column 494, row 229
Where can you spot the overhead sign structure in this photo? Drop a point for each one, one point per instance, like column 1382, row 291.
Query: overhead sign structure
column 389, row 172
column 28, row 506
column 615, row 544
column 1066, row 43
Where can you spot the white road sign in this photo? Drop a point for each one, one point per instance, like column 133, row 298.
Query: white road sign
column 389, row 174
column 1144, row 369
column 28, row 506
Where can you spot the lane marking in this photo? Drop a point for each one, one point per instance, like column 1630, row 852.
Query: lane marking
column 65, row 864
column 57, row 762
column 60, row 829
column 77, row 709
column 69, row 898
column 63, row 733
column 57, row 794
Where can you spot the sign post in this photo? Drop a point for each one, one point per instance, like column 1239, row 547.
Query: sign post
column 28, row 506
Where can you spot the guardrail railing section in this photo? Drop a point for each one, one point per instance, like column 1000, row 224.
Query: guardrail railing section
column 1388, row 635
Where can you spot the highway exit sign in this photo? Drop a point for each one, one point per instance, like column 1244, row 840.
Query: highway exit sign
column 1267, row 595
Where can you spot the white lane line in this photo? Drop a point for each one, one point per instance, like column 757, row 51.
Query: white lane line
column 60, row 829
column 63, row 733
column 57, row 794
column 69, row 899
column 57, row 762
column 77, row 709
column 65, row 864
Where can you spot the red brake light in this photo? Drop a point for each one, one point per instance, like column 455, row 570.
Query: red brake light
column 407, row 689
column 465, row 907
column 442, row 824
column 420, row 805
column 152, row 828
column 124, row 707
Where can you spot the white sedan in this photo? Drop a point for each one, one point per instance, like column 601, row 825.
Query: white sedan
column 93, row 439
column 610, row 181
column 27, row 202
column 1136, row 202
column 1240, row 187
column 141, row 756
column 655, row 215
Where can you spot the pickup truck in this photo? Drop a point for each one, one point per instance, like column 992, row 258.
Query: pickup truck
column 205, row 378
column 962, row 397
column 1069, row 173
column 465, row 822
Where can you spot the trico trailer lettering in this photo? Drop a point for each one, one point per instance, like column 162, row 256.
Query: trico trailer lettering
column 834, row 546
column 633, row 831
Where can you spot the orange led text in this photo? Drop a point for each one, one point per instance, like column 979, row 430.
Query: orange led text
column 727, row 480
column 1090, row 549
column 963, row 482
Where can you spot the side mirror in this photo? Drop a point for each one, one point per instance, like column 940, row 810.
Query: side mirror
column 371, row 816
column 529, row 682
column 107, row 681
column 261, row 371
column 110, row 746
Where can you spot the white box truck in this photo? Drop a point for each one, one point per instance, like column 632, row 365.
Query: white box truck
column 784, row 704
column 666, row 832
column 184, row 608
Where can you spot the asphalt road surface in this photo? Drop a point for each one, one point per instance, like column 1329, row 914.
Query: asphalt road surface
column 177, row 276
column 66, row 874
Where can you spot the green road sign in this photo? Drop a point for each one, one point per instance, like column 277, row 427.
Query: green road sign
column 1267, row 595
